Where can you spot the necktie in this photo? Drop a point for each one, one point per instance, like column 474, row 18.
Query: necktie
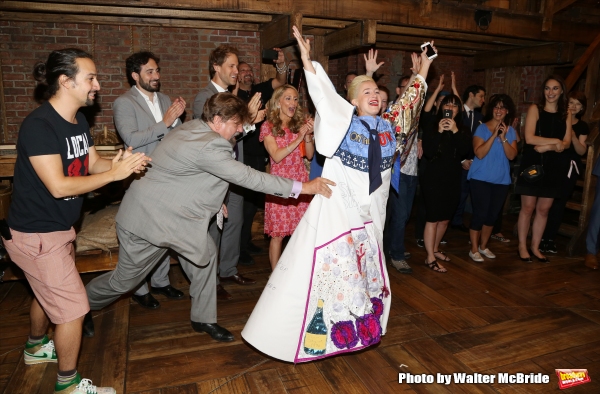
column 374, row 158
column 471, row 119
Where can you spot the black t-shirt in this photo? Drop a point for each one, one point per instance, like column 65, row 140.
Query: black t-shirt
column 580, row 128
column 252, row 146
column 45, row 132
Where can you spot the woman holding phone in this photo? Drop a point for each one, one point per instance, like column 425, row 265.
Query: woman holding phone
column 547, row 135
column 494, row 144
column 443, row 147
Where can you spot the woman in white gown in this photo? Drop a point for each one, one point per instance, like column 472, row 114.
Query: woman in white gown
column 329, row 293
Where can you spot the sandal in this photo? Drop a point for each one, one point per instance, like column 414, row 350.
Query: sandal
column 434, row 266
column 443, row 258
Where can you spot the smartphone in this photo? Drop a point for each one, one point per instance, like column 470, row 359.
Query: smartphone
column 447, row 114
column 430, row 51
column 270, row 54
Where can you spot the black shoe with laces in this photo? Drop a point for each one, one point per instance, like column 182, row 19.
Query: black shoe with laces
column 551, row 247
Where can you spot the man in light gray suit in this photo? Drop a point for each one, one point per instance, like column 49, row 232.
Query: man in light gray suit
column 171, row 207
column 223, row 68
column 143, row 116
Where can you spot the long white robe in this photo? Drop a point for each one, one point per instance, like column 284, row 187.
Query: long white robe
column 335, row 255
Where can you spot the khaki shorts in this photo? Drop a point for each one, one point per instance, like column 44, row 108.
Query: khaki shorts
column 48, row 261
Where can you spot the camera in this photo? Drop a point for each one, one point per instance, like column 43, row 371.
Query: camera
column 270, row 54
column 430, row 51
column 446, row 114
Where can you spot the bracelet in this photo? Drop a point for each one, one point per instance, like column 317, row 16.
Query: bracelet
column 505, row 140
column 282, row 69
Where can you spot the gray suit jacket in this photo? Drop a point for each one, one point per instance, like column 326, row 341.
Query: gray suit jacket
column 171, row 206
column 201, row 98
column 136, row 124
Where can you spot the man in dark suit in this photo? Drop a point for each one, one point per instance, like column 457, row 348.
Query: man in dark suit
column 143, row 116
column 223, row 67
column 255, row 153
column 171, row 207
column 473, row 98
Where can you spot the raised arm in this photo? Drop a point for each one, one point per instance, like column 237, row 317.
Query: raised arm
column 371, row 64
column 429, row 105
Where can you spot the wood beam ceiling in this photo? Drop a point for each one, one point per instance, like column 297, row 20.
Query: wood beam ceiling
column 545, row 54
column 444, row 16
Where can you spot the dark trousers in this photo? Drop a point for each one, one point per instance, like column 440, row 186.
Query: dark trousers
column 252, row 200
column 457, row 220
column 400, row 206
column 557, row 210
column 487, row 199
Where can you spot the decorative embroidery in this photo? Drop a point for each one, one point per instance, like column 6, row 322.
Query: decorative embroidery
column 360, row 163
column 349, row 292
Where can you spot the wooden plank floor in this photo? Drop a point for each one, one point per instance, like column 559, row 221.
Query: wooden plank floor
column 501, row 316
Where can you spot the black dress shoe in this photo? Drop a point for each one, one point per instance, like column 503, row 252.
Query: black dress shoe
column 168, row 291
column 540, row 259
column 223, row 294
column 237, row 278
column 147, row 301
column 88, row 326
column 253, row 249
column 525, row 259
column 245, row 259
column 215, row 331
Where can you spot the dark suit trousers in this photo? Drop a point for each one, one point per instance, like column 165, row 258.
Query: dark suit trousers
column 137, row 257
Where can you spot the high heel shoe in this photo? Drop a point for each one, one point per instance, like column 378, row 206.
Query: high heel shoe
column 540, row 259
column 525, row 259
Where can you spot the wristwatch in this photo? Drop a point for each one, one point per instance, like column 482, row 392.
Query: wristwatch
column 505, row 140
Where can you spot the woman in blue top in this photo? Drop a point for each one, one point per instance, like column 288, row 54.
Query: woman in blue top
column 494, row 144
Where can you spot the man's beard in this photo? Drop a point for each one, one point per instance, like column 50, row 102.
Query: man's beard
column 90, row 101
column 149, row 88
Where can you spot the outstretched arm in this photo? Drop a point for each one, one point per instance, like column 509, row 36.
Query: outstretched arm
column 304, row 46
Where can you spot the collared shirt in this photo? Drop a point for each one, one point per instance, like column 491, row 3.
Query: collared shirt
column 154, row 105
column 219, row 88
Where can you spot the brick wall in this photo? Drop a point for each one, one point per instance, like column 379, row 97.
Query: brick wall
column 184, row 62
column 183, row 53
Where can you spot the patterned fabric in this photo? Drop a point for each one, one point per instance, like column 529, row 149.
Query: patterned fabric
column 412, row 162
column 354, row 149
column 349, row 281
column 282, row 215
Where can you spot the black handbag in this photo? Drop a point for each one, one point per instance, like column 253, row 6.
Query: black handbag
column 533, row 173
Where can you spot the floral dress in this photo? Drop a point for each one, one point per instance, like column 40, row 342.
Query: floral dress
column 329, row 293
column 282, row 215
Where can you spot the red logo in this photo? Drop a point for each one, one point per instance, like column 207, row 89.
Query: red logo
column 568, row 378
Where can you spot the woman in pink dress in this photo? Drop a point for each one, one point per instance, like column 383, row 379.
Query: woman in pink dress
column 287, row 137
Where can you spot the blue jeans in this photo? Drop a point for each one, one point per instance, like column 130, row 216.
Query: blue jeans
column 400, row 207
column 591, row 241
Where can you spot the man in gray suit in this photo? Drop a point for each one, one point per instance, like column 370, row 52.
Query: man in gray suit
column 223, row 67
column 143, row 116
column 171, row 207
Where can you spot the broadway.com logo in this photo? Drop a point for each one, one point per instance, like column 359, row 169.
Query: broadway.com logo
column 572, row 377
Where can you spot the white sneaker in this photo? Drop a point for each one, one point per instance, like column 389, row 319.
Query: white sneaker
column 487, row 253
column 476, row 257
column 85, row 386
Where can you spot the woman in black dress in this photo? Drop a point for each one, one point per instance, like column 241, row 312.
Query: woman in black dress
column 444, row 145
column 577, row 107
column 547, row 135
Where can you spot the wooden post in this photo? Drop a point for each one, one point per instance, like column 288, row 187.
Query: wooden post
column 277, row 34
column 357, row 35
column 592, row 84
column 582, row 63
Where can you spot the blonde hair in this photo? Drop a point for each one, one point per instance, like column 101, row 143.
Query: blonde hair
column 273, row 114
column 353, row 88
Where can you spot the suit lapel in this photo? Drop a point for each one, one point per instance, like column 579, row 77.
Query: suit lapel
column 142, row 102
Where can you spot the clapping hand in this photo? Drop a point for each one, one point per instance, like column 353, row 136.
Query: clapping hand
column 254, row 106
column 440, row 84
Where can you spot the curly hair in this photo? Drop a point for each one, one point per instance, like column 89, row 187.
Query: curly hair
column 134, row 63
column 507, row 102
column 274, row 113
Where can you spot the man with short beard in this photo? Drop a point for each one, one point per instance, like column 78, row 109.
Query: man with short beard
column 55, row 157
column 143, row 116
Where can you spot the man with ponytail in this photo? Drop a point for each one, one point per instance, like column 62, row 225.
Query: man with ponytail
column 56, row 164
